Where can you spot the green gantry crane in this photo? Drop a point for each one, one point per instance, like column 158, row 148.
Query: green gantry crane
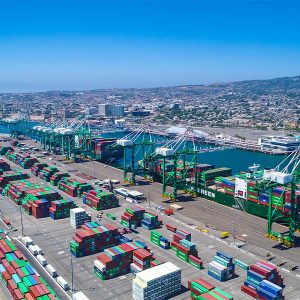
column 288, row 177
column 139, row 140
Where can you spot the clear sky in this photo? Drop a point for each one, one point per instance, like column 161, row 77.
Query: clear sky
column 74, row 45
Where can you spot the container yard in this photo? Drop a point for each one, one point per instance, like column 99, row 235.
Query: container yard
column 108, row 260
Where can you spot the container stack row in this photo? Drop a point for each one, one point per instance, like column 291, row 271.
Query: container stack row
column 132, row 217
column 78, row 217
column 160, row 282
column 60, row 209
column 185, row 249
column 73, row 187
column 19, row 277
column 115, row 261
column 5, row 149
column 263, row 282
column 9, row 176
column 100, row 200
column 23, row 160
column 57, row 177
column 141, row 260
column 46, row 173
column 4, row 166
column 93, row 238
column 159, row 240
column 222, row 267
column 151, row 221
column 37, row 168
column 207, row 178
column 18, row 189
column 201, row 290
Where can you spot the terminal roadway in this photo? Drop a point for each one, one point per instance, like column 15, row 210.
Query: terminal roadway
column 201, row 212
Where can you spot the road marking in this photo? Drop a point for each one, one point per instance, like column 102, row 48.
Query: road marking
column 298, row 275
column 218, row 239
column 283, row 269
column 251, row 254
column 224, row 242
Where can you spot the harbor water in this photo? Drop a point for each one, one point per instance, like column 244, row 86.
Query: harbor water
column 237, row 159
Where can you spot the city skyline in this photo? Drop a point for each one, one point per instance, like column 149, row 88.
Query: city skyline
column 83, row 45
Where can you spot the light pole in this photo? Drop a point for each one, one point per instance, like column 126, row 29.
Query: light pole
column 72, row 275
column 94, row 169
column 234, row 222
column 149, row 200
column 21, row 214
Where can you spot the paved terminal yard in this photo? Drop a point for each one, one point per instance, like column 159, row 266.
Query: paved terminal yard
column 53, row 236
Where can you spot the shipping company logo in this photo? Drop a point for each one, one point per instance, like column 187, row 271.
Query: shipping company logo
column 207, row 193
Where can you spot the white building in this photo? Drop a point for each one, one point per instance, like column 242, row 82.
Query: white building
column 284, row 143
column 160, row 282
column 110, row 110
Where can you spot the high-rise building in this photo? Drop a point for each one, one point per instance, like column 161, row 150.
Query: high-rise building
column 110, row 110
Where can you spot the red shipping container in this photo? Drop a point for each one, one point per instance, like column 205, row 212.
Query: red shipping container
column 259, row 270
column 197, row 293
column 249, row 291
column 17, row 294
column 171, row 228
column 270, row 266
column 34, row 292
column 28, row 296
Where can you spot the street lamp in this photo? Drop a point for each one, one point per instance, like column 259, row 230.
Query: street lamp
column 234, row 223
column 72, row 269
column 21, row 214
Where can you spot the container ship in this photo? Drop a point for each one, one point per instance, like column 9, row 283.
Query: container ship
column 219, row 185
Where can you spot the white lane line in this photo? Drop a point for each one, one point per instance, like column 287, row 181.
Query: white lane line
column 251, row 254
column 283, row 269
column 224, row 242
column 298, row 275
column 218, row 239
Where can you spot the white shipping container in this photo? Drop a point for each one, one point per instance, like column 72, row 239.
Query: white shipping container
column 99, row 265
column 38, row 249
column 51, row 270
column 62, row 283
column 164, row 151
column 124, row 142
column 279, row 177
column 32, row 249
column 42, row 259
column 26, row 240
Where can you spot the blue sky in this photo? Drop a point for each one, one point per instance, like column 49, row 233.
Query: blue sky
column 75, row 45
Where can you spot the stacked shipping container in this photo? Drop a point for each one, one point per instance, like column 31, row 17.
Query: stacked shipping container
column 115, row 261
column 18, row 275
column 263, row 281
column 73, row 187
column 94, row 238
column 184, row 248
column 100, row 200
column 132, row 217
column 222, row 267
column 159, row 240
column 150, row 221
column 201, row 289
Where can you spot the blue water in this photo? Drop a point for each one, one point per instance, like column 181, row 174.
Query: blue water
column 238, row 160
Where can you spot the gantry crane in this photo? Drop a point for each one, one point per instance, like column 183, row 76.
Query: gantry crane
column 286, row 174
column 182, row 150
column 137, row 140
